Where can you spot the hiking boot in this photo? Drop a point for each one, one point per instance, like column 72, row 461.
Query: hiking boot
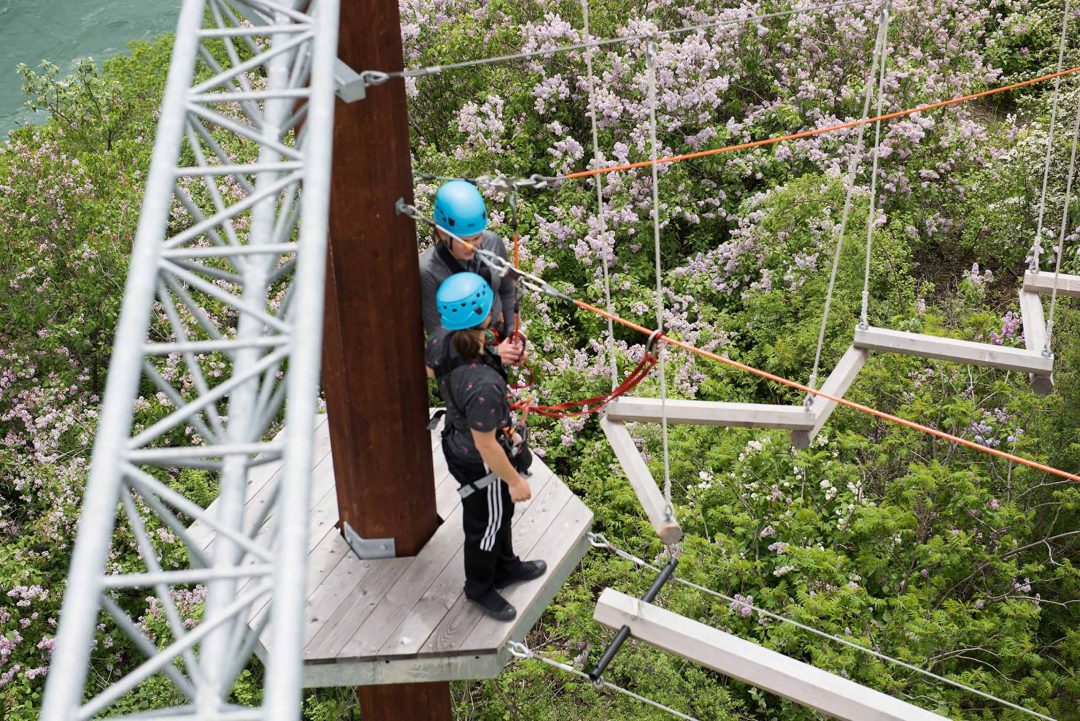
column 524, row 571
column 495, row 606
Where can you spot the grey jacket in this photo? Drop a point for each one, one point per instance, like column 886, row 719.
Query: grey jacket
column 433, row 271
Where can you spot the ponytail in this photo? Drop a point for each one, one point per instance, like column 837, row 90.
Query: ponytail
column 467, row 343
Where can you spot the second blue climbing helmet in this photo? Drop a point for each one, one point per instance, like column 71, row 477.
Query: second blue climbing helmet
column 460, row 208
column 464, row 301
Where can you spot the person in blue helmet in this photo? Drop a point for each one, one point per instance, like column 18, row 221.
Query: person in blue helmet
column 460, row 208
column 479, row 443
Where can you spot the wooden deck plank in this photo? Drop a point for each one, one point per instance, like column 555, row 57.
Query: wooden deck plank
column 837, row 384
column 259, row 476
column 715, row 413
column 430, row 611
column 959, row 351
column 1044, row 283
column 443, row 548
column 1031, row 311
column 641, row 480
column 356, row 603
column 565, row 533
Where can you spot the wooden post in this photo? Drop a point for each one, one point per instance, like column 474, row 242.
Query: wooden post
column 373, row 369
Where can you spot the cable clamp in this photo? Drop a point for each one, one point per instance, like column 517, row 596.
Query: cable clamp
column 518, row 650
column 351, row 85
column 599, row 540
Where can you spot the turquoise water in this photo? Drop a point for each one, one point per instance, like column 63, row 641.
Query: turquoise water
column 63, row 30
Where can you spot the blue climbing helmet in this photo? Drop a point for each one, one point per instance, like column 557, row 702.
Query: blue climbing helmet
column 460, row 209
column 464, row 301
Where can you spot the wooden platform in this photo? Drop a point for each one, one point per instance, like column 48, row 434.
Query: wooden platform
column 1044, row 283
column 959, row 351
column 400, row 620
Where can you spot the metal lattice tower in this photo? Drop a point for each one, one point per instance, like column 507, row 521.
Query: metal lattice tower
column 222, row 318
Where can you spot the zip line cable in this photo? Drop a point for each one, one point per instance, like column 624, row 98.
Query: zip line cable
column 1064, row 228
column 600, row 541
column 1036, row 248
column 816, row 131
column 878, row 59
column 375, row 77
column 650, row 58
column 540, row 285
column 601, row 215
column 521, row 651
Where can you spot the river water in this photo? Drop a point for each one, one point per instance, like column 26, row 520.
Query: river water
column 63, row 30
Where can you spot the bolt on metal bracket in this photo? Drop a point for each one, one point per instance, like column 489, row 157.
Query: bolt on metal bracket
column 368, row 548
column 351, row 85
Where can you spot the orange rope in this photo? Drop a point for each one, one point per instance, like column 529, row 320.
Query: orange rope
column 817, row 131
column 835, row 399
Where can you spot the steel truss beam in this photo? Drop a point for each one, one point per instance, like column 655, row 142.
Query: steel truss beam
column 222, row 318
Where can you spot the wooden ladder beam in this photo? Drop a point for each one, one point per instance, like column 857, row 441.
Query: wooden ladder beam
column 837, row 384
column 950, row 349
column 633, row 465
column 1044, row 283
column 1031, row 310
column 715, row 413
column 732, row 656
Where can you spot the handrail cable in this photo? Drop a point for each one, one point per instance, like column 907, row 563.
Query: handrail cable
column 877, row 59
column 1064, row 228
column 377, row 77
column 601, row 215
column 598, row 540
column 1036, row 246
column 521, row 651
column 864, row 311
column 650, row 57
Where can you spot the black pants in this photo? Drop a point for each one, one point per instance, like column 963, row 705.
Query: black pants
column 486, row 516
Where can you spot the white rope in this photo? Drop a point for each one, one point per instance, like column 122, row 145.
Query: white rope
column 853, row 165
column 1064, row 227
column 376, row 77
column 601, row 215
column 599, row 541
column 650, row 54
column 521, row 651
column 1036, row 248
column 864, row 313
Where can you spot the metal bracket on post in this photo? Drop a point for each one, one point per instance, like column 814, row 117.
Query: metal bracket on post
column 351, row 85
column 367, row 549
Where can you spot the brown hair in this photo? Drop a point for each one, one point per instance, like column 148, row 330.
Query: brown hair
column 468, row 343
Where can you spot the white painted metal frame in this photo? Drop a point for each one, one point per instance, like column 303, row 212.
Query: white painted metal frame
column 228, row 265
column 758, row 666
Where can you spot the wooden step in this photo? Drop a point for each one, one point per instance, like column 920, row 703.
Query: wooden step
column 1044, row 283
column 959, row 351
column 837, row 384
column 633, row 465
column 714, row 413
column 1031, row 310
column 732, row 656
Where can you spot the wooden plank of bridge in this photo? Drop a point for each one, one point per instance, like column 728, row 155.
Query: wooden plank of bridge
column 732, row 656
column 1031, row 311
column 959, row 351
column 633, row 465
column 1044, row 283
column 837, row 384
column 715, row 413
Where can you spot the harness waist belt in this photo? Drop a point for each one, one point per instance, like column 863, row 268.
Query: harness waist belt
column 467, row 489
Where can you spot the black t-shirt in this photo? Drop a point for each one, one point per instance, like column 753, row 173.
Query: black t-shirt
column 475, row 396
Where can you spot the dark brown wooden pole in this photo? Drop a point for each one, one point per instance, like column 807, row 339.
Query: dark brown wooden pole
column 373, row 368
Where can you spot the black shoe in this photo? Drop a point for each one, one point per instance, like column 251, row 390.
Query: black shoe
column 495, row 606
column 524, row 571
